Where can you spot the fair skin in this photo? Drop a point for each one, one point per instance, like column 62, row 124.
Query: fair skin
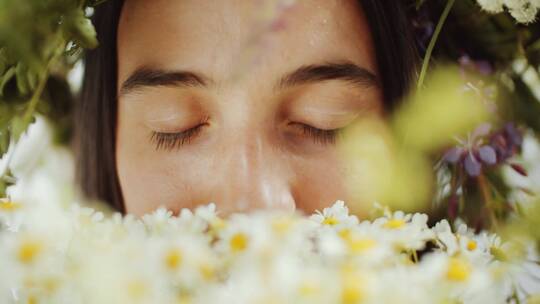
column 218, row 102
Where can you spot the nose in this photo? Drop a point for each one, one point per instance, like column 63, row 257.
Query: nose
column 254, row 176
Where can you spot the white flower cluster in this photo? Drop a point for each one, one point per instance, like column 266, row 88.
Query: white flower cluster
column 524, row 11
column 82, row 256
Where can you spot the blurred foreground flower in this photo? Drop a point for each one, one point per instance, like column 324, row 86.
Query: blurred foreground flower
column 391, row 164
column 55, row 251
column 264, row 257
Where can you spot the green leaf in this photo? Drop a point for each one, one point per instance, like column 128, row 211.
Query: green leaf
column 32, row 79
column 18, row 127
column 520, row 210
column 7, row 180
column 22, row 81
column 6, row 78
column 81, row 30
column 3, row 188
column 3, row 61
column 4, row 141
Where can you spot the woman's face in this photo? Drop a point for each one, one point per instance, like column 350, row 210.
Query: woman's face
column 239, row 102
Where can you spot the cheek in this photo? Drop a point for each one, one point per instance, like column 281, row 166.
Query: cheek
column 319, row 183
column 174, row 181
column 152, row 182
column 151, row 179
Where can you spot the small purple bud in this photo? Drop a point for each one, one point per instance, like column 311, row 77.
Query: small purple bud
column 519, row 169
column 453, row 155
column 482, row 130
column 472, row 166
column 513, row 134
column 484, row 67
column 487, row 155
column 499, row 143
column 465, row 60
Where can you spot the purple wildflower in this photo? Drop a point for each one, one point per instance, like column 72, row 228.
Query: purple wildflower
column 484, row 148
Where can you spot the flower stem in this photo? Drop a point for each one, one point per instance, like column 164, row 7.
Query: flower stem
column 415, row 256
column 488, row 200
column 35, row 98
column 27, row 116
column 433, row 41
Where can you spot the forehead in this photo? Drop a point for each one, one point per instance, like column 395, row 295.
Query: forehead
column 219, row 38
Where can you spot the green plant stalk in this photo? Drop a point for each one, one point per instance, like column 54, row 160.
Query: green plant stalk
column 488, row 200
column 429, row 52
column 415, row 256
column 32, row 104
column 433, row 42
column 515, row 295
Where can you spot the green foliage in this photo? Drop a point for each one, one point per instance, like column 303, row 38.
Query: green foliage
column 36, row 38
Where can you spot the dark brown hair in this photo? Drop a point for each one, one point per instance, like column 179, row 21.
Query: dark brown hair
column 97, row 110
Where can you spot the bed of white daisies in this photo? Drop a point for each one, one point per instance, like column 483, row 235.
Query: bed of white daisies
column 82, row 256
column 53, row 250
column 523, row 11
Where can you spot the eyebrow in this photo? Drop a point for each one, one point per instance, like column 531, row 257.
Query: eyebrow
column 148, row 77
column 346, row 71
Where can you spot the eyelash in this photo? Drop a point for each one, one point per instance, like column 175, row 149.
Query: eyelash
column 320, row 136
column 171, row 141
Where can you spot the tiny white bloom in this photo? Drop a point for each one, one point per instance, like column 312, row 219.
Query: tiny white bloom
column 335, row 216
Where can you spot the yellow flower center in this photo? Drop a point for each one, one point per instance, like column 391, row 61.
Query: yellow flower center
column 238, row 242
column 136, row 289
column 458, row 270
column 361, row 245
column 215, row 226
column 51, row 284
column 471, row 245
column 331, row 221
column 9, row 206
column 353, row 285
column 218, row 224
column 32, row 300
column 308, row 288
column 282, row 225
column 184, row 299
column 345, row 234
column 207, row 271
column 173, row 259
column 352, row 292
column 28, row 251
column 394, row 224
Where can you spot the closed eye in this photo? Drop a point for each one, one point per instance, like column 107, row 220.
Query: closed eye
column 170, row 141
column 320, row 136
